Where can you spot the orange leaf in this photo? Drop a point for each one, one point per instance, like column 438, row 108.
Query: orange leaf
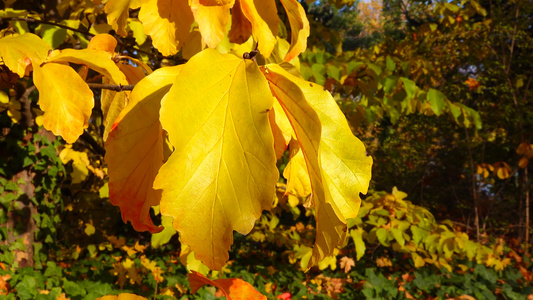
column 104, row 42
column 347, row 264
column 232, row 288
column 134, row 150
column 472, row 84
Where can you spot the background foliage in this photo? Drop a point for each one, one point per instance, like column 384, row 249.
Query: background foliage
column 438, row 91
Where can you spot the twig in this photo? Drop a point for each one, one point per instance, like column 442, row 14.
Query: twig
column 112, row 87
column 86, row 137
column 33, row 20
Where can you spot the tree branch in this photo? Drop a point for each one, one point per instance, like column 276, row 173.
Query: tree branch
column 112, row 87
column 33, row 20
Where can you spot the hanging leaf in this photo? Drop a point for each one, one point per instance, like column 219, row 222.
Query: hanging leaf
column 65, row 98
column 331, row 225
column 134, row 150
column 260, row 29
column 212, row 20
column 299, row 28
column 241, row 28
column 223, row 172
column 168, row 22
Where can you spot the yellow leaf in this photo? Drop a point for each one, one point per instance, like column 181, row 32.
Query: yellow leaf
column 281, row 129
column 241, row 28
column 134, row 150
column 89, row 229
column 346, row 169
column 299, row 28
column 331, row 224
column 112, row 103
column 523, row 162
column 298, row 182
column 80, row 163
column 65, row 98
column 260, row 29
column 123, row 296
column 117, row 15
column 168, row 22
column 223, row 172
column 212, row 20
column 97, row 60
column 19, row 52
column 215, row 2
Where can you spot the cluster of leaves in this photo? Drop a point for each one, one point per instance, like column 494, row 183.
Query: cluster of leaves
column 232, row 106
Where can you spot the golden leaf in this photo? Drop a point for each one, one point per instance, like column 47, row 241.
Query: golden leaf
column 223, row 172
column 65, row 98
column 168, row 22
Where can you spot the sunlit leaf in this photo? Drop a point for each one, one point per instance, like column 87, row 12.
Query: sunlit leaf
column 104, row 42
column 19, row 52
column 281, row 128
column 260, row 28
column 65, row 98
column 168, row 22
column 80, row 161
column 331, row 224
column 117, row 15
column 299, row 28
column 346, row 169
column 222, row 173
column 97, row 60
column 134, row 150
column 212, row 20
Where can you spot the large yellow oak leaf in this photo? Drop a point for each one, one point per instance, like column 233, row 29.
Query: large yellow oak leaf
column 223, row 172
column 346, row 169
column 18, row 53
column 65, row 98
column 134, row 150
column 260, row 28
column 168, row 22
column 299, row 28
column 269, row 13
column 212, row 21
column 97, row 60
column 331, row 225
column 111, row 103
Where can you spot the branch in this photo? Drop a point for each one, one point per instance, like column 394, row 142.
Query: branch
column 112, row 87
column 86, row 137
column 33, row 20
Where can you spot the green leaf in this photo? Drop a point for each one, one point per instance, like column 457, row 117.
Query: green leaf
column 437, row 101
column 409, row 86
column 163, row 237
column 391, row 65
column 357, row 236
column 318, row 72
